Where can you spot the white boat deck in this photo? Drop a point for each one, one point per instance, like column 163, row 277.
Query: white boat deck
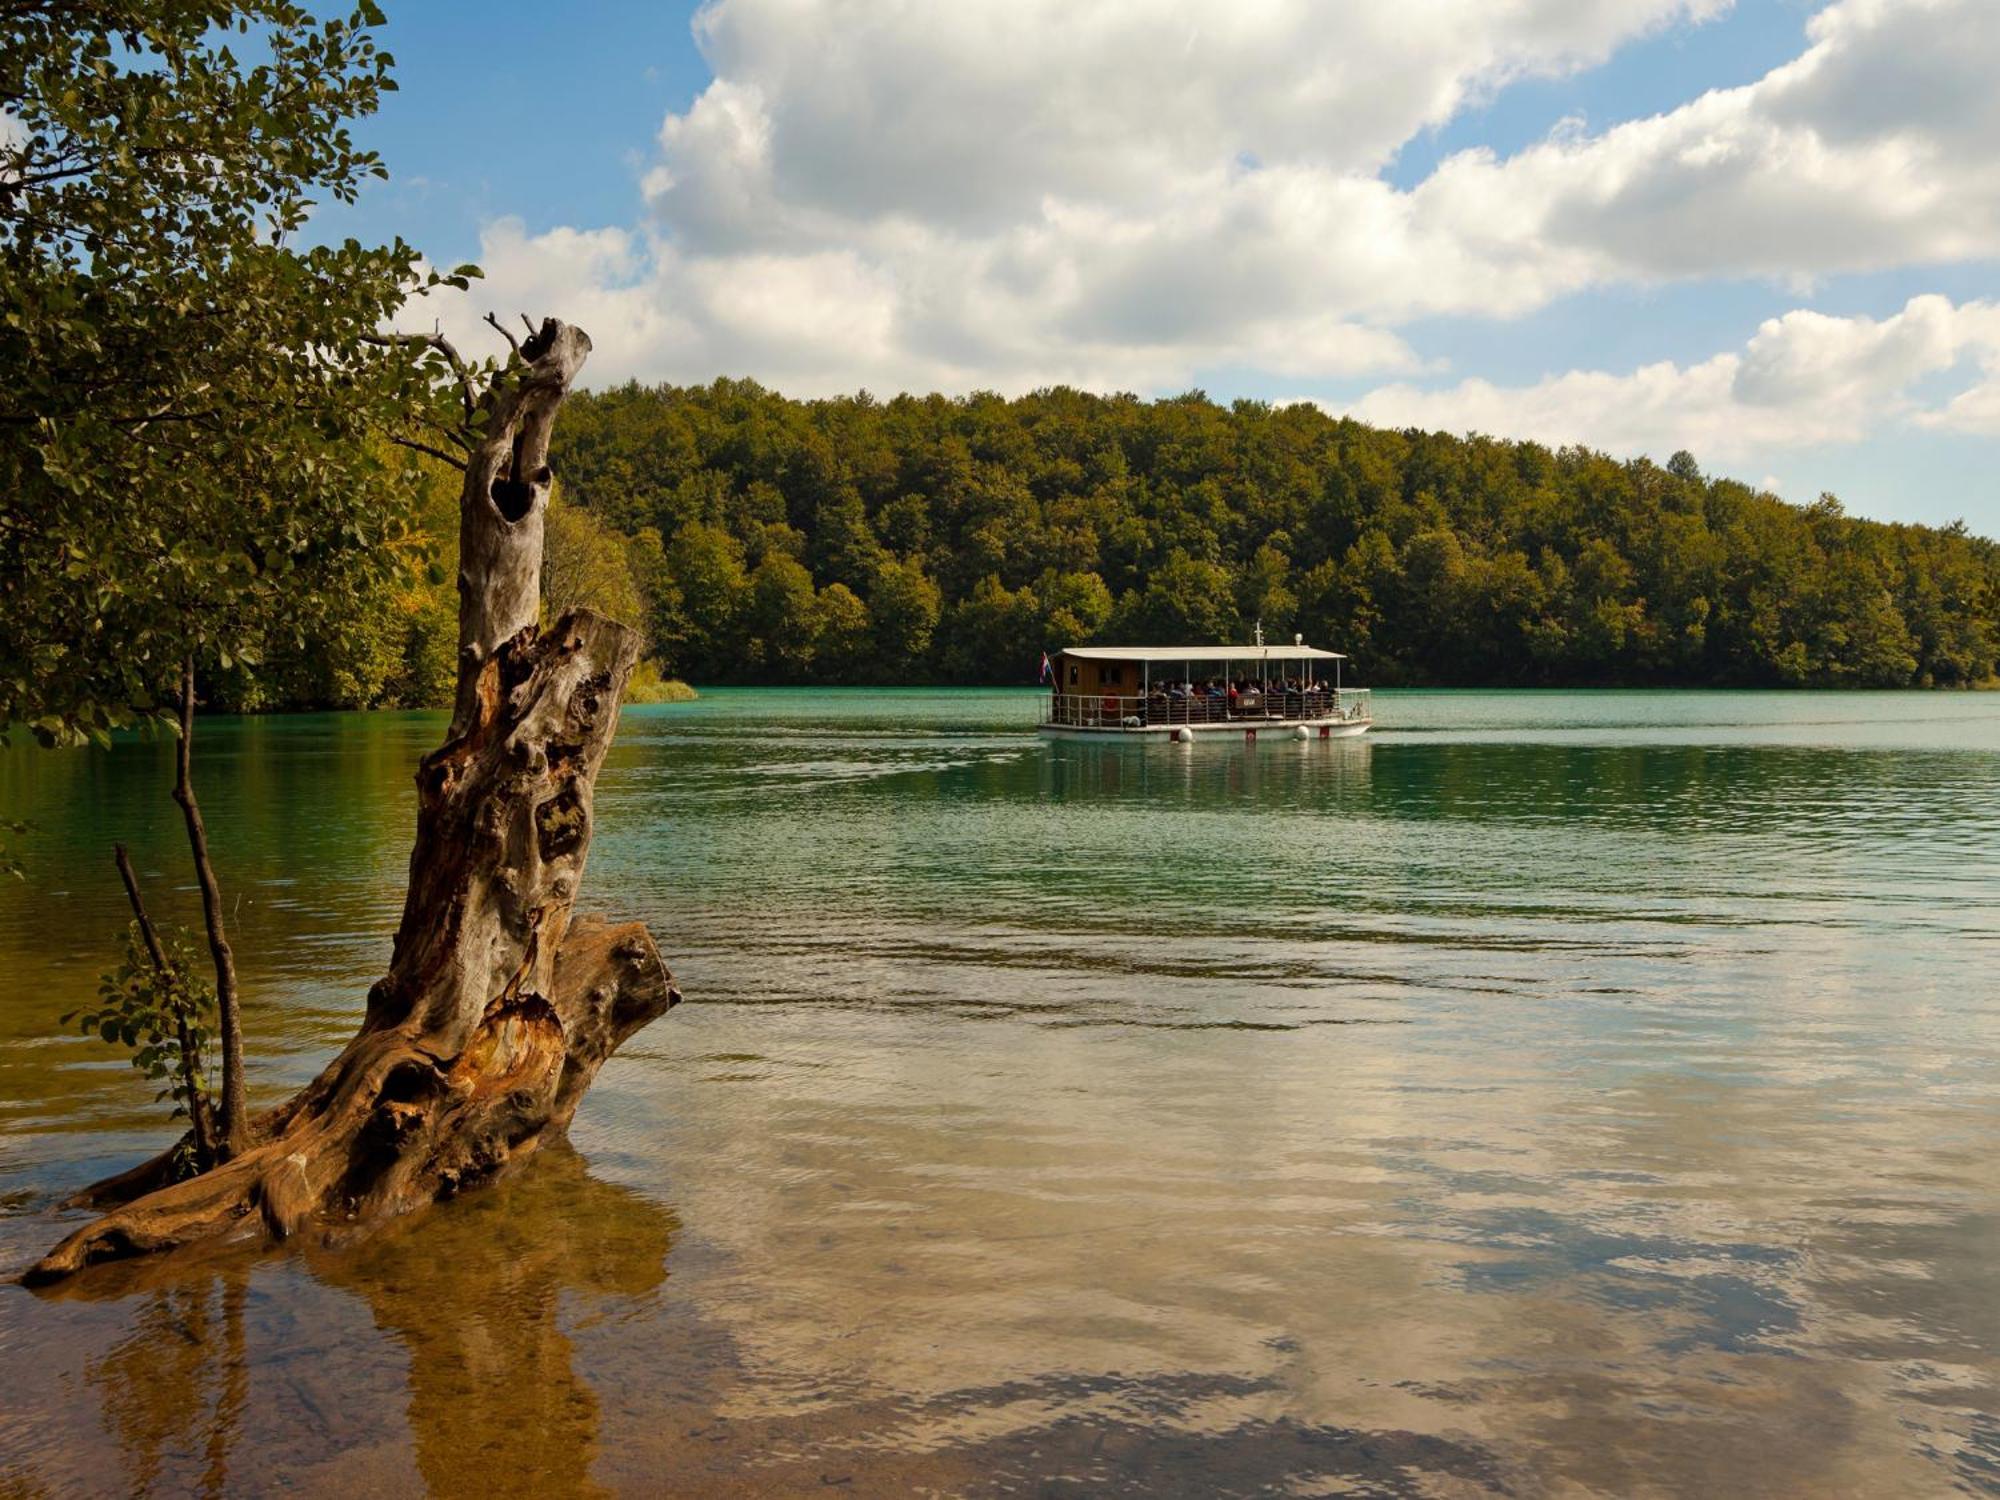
column 1327, row 713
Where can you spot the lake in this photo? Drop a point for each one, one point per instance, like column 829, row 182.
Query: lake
column 1549, row 1094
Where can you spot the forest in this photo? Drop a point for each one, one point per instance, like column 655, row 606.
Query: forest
column 759, row 539
column 929, row 539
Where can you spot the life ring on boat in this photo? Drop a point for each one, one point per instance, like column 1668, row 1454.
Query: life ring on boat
column 1109, row 705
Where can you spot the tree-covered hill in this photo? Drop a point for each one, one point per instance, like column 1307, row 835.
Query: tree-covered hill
column 936, row 539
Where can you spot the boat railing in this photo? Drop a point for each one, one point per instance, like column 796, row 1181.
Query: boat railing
column 1155, row 710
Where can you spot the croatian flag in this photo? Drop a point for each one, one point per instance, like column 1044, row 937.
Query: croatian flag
column 1048, row 667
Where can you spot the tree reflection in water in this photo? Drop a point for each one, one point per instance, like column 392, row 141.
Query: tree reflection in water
column 172, row 1390
column 475, row 1295
column 474, row 1292
column 480, row 1294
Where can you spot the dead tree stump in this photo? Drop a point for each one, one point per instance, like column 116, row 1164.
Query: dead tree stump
column 499, row 1007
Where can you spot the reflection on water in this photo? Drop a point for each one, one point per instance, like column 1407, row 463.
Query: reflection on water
column 1551, row 1094
column 476, row 1295
column 172, row 1389
column 479, row 1299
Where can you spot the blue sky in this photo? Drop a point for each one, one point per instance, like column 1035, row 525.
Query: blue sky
column 1765, row 231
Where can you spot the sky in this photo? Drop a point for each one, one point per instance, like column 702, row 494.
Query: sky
column 1765, row 231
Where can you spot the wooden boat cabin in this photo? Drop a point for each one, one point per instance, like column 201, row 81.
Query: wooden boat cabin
column 1185, row 691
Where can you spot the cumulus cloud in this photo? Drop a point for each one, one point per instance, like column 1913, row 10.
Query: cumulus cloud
column 1872, row 149
column 1976, row 409
column 1127, row 193
column 972, row 116
column 1014, row 192
column 834, row 318
column 1802, row 379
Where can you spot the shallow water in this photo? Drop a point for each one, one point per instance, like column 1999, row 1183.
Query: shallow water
column 1552, row 1094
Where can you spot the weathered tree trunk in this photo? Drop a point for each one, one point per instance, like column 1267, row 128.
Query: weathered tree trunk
column 498, row 1008
column 505, row 504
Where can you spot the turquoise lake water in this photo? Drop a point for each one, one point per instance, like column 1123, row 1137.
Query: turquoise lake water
column 1548, row 1094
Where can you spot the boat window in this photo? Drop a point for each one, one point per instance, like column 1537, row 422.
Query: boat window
column 1072, row 674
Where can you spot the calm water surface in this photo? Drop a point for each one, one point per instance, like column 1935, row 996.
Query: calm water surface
column 1553, row 1094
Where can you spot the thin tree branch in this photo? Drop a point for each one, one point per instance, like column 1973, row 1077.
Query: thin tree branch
column 27, row 180
column 501, row 328
column 446, row 431
column 24, row 419
column 197, row 1104
column 466, row 387
column 233, row 1121
column 437, row 453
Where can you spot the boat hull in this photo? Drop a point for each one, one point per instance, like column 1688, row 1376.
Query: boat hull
column 1272, row 729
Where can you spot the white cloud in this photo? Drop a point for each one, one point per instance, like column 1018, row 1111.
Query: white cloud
column 971, row 116
column 1872, row 149
column 834, row 319
column 1975, row 410
column 1014, row 192
column 1127, row 193
column 1802, row 379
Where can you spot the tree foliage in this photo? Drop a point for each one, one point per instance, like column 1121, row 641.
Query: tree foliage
column 927, row 538
column 195, row 415
column 586, row 565
column 184, row 430
column 164, row 1016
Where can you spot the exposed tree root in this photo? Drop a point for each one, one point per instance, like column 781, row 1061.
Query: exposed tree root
column 497, row 1010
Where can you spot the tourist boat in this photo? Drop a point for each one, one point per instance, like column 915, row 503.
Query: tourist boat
column 1182, row 692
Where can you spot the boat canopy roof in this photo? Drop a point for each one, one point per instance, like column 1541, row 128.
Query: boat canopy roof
column 1200, row 653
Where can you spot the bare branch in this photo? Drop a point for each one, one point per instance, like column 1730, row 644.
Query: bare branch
column 25, row 419
column 501, row 328
column 530, row 322
column 436, row 453
column 447, row 431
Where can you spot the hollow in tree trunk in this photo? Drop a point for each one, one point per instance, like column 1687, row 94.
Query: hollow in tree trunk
column 499, row 1006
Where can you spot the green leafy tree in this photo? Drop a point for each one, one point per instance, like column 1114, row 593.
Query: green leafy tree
column 1078, row 605
column 666, row 613
column 156, row 1007
column 1430, row 558
column 587, row 565
column 184, row 428
column 1264, row 593
column 904, row 604
column 705, row 564
column 994, row 625
column 843, row 632
column 783, row 617
column 1185, row 600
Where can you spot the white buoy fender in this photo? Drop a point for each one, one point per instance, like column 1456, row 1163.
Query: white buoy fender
column 1302, row 733
column 1184, row 736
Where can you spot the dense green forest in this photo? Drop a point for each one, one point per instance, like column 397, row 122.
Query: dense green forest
column 929, row 539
